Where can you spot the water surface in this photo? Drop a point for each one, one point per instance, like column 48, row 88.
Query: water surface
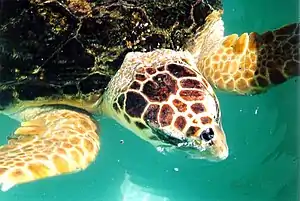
column 261, row 132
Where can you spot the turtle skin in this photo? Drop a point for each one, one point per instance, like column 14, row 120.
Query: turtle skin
column 57, row 48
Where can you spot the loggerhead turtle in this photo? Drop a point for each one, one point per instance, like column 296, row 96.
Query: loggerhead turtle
column 163, row 96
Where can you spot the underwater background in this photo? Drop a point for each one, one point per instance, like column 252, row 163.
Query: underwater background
column 263, row 164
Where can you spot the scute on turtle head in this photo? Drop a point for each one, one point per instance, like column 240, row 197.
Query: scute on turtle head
column 168, row 103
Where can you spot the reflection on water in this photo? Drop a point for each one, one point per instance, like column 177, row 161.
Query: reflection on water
column 134, row 192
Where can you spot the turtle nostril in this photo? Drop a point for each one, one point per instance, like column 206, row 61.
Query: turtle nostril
column 207, row 134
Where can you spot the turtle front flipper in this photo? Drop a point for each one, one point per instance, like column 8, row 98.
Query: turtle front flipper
column 252, row 63
column 50, row 144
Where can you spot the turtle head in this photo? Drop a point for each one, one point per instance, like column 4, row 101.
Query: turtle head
column 164, row 100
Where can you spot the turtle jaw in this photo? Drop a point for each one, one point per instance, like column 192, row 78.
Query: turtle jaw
column 213, row 154
column 210, row 153
column 214, row 150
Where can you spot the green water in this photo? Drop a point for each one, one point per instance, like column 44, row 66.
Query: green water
column 261, row 132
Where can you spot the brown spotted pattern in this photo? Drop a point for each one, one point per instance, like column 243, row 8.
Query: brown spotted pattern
column 135, row 85
column 166, row 101
column 198, row 108
column 191, row 83
column 180, row 71
column 166, row 115
column 180, row 106
column 180, row 123
column 151, row 114
column 192, row 95
column 135, row 104
column 206, row 120
column 170, row 96
column 192, row 131
column 53, row 143
column 160, row 88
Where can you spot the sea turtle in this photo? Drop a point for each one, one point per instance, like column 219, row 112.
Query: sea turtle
column 164, row 96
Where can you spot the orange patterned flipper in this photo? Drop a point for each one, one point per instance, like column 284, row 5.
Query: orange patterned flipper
column 52, row 143
column 251, row 63
column 247, row 64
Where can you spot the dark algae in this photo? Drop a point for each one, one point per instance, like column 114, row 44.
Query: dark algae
column 73, row 47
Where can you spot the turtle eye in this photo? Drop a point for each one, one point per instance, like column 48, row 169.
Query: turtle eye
column 207, row 134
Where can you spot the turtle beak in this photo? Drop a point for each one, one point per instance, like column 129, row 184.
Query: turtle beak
column 215, row 150
column 219, row 148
